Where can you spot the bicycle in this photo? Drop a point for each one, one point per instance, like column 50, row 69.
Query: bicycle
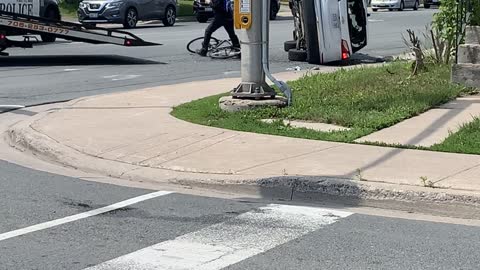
column 217, row 49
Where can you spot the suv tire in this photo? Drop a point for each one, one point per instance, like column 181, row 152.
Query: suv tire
column 131, row 18
column 51, row 14
column 170, row 16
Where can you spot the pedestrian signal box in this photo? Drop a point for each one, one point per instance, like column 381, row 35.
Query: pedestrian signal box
column 243, row 14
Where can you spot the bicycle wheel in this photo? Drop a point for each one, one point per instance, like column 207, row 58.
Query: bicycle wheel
column 196, row 44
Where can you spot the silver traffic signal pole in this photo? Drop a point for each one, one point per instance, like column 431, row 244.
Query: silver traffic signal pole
column 253, row 83
column 254, row 62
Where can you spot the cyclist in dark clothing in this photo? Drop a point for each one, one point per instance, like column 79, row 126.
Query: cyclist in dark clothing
column 223, row 16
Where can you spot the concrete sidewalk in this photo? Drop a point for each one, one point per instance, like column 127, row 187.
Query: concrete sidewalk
column 431, row 127
column 132, row 135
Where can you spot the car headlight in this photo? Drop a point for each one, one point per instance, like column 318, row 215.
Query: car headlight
column 207, row 1
column 82, row 5
column 114, row 4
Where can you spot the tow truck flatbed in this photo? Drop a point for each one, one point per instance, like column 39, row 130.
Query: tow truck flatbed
column 13, row 23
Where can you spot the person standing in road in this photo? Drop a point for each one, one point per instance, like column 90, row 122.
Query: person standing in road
column 223, row 16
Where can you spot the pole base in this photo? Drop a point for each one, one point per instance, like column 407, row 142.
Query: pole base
column 231, row 104
column 253, row 90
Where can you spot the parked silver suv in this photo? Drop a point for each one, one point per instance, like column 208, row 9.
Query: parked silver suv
column 127, row 12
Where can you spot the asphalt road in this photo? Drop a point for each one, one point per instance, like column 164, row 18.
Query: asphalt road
column 178, row 231
column 50, row 221
column 66, row 70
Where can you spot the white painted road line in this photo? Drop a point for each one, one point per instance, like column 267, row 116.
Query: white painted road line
column 57, row 222
column 121, row 77
column 229, row 242
column 11, row 107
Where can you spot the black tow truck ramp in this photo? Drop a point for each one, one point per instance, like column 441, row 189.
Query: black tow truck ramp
column 17, row 24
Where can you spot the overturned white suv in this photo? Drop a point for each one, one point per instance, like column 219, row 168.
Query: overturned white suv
column 327, row 31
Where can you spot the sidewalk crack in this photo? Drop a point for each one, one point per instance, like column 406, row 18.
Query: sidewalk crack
column 187, row 145
column 128, row 144
column 457, row 173
column 287, row 158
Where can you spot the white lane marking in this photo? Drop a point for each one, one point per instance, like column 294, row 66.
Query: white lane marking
column 57, row 222
column 121, row 77
column 71, row 69
column 373, row 20
column 71, row 43
column 11, row 107
column 231, row 72
column 229, row 242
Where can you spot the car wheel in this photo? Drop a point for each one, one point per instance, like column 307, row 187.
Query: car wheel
column 202, row 19
column 290, row 44
column 426, row 5
column 51, row 14
column 170, row 16
column 297, row 55
column 390, row 9
column 131, row 18
column 374, row 9
column 402, row 6
column 415, row 7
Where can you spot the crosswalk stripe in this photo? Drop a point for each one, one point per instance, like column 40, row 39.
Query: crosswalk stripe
column 229, row 242
column 99, row 211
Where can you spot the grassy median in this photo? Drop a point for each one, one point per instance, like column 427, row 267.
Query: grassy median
column 362, row 99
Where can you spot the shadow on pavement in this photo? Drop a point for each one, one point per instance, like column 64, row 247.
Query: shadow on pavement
column 73, row 60
column 284, row 18
column 360, row 58
column 347, row 194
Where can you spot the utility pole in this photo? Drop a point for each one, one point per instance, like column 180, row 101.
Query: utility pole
column 248, row 18
column 252, row 20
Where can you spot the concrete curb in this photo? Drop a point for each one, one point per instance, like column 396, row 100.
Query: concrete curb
column 25, row 138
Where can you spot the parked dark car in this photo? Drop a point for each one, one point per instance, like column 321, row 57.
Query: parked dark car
column 127, row 12
column 203, row 11
column 429, row 3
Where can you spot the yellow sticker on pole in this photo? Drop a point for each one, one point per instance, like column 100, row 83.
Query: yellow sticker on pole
column 243, row 14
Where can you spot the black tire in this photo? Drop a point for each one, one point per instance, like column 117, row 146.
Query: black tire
column 297, row 55
column 402, row 6
column 374, row 9
column 131, row 18
column 170, row 16
column 202, row 19
column 390, row 9
column 196, row 44
column 290, row 44
column 273, row 10
column 426, row 5
column 51, row 14
column 311, row 34
column 415, row 7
